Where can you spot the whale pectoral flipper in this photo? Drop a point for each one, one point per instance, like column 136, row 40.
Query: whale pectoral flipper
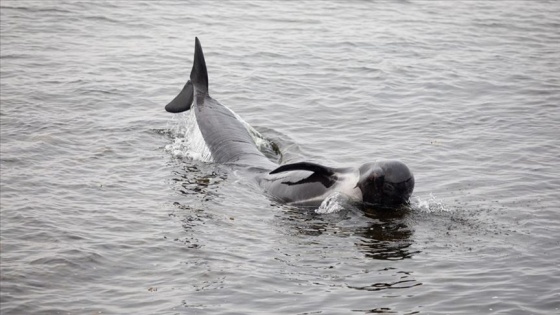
column 321, row 174
column 326, row 181
column 183, row 101
column 305, row 166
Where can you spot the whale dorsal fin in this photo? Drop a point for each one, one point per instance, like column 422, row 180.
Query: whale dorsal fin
column 183, row 101
column 305, row 166
column 199, row 74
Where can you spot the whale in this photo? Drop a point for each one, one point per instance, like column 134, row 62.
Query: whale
column 382, row 183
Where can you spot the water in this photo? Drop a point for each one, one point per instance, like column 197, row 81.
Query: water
column 104, row 211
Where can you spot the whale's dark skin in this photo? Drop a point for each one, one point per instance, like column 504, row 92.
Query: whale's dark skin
column 382, row 183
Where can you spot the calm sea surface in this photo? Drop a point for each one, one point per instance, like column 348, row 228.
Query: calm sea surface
column 106, row 210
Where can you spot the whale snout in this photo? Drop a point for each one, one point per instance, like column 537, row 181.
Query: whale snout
column 397, row 193
column 386, row 183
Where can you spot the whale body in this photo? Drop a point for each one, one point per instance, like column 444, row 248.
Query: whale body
column 385, row 183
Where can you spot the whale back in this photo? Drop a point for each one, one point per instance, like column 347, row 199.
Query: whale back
column 226, row 137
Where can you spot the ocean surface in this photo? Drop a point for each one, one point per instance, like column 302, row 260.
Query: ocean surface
column 107, row 206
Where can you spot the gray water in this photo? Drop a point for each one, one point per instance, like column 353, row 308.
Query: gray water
column 104, row 211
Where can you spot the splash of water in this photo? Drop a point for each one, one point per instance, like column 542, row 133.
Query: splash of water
column 338, row 201
column 332, row 204
column 429, row 205
column 188, row 142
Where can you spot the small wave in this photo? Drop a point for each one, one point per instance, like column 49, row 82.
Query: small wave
column 35, row 9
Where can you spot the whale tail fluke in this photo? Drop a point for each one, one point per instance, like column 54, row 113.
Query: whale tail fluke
column 197, row 84
column 183, row 101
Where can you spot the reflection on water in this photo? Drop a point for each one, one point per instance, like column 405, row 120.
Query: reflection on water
column 198, row 180
column 403, row 284
column 388, row 236
column 387, row 240
column 379, row 310
column 383, row 235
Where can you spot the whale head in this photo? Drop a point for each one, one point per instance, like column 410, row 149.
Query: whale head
column 385, row 183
